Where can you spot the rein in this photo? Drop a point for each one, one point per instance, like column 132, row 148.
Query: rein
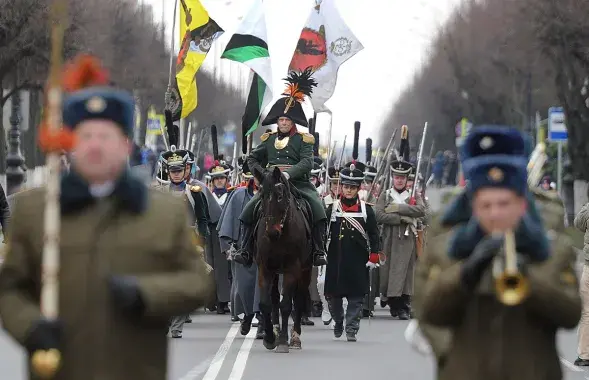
column 280, row 226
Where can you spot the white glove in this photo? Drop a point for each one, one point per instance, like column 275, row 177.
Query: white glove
column 286, row 175
column 371, row 265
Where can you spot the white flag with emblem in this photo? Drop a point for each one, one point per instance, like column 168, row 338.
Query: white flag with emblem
column 325, row 43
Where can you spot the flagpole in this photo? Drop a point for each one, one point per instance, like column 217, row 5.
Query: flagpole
column 172, row 47
column 328, row 147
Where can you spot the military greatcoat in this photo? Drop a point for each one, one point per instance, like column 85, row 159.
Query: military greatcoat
column 136, row 232
column 476, row 337
column 296, row 158
column 550, row 209
column 396, row 275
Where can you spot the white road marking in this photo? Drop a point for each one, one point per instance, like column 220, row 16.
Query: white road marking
column 198, row 370
column 217, row 362
column 241, row 360
column 570, row 365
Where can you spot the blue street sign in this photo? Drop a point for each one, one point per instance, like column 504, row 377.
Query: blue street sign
column 557, row 130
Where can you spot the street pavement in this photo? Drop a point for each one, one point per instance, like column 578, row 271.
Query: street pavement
column 213, row 349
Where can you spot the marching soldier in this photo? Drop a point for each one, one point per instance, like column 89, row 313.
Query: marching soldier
column 219, row 175
column 174, row 163
column 292, row 152
column 397, row 213
column 463, row 276
column 214, row 210
column 120, row 281
column 245, row 290
column 334, row 188
column 352, row 253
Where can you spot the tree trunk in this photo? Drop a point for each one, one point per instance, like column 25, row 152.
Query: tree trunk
column 580, row 188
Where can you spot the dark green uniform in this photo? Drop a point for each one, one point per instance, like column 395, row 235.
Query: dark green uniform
column 296, row 159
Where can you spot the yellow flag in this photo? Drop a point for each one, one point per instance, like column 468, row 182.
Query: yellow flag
column 197, row 33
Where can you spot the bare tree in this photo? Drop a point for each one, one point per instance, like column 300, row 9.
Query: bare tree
column 122, row 33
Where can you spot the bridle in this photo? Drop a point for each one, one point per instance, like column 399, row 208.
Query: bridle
column 280, row 226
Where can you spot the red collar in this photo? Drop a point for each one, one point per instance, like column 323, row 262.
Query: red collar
column 353, row 208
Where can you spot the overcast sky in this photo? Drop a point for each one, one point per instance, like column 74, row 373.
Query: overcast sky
column 395, row 35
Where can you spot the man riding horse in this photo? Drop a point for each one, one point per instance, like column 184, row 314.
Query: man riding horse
column 292, row 152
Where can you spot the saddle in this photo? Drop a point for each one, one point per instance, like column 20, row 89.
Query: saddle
column 301, row 205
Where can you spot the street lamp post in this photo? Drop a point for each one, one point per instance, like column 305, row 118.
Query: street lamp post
column 15, row 174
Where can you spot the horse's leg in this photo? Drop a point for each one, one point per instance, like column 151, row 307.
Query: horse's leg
column 301, row 305
column 266, row 282
column 275, row 302
column 288, row 287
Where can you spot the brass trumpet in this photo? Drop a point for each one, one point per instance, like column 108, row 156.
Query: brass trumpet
column 511, row 287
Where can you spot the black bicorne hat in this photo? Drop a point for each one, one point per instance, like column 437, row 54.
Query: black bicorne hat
column 291, row 106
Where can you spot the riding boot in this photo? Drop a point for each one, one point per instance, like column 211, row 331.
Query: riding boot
column 319, row 232
column 244, row 255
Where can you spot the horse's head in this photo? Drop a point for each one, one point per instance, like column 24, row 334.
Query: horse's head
column 275, row 200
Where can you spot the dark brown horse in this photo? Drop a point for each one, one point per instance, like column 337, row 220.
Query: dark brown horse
column 283, row 246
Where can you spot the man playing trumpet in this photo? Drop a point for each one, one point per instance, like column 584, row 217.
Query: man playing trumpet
column 494, row 280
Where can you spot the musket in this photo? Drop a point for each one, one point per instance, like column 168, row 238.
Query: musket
column 187, row 143
column 53, row 140
column 380, row 167
column 200, row 139
column 429, row 159
column 419, row 160
column 235, row 179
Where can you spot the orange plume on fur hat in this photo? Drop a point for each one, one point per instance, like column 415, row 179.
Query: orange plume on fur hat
column 84, row 71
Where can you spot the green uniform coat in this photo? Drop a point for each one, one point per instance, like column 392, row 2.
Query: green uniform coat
column 298, row 154
column 112, row 236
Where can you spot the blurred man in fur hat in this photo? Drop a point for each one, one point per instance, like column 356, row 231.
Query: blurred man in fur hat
column 128, row 263
column 460, row 276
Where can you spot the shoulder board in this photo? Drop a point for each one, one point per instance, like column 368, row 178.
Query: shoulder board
column 308, row 138
column 195, row 188
column 230, row 189
column 265, row 136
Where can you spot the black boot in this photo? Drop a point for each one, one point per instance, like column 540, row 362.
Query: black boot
column 244, row 255
column 407, row 305
column 305, row 321
column 319, row 232
column 246, row 324
column 395, row 306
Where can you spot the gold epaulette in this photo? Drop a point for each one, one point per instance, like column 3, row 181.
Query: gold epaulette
column 195, row 189
column 230, row 189
column 308, row 138
column 265, row 136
